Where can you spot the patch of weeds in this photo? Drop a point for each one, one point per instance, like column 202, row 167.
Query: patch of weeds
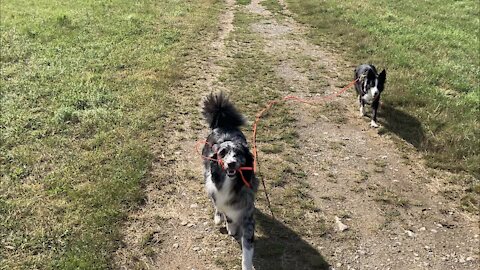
column 64, row 21
column 390, row 216
column 383, row 131
column 279, row 182
column 244, row 2
column 149, row 251
column 148, row 238
column 471, row 200
column 272, row 5
column 332, row 108
column 358, row 189
column 380, row 165
column 337, row 145
column 273, row 148
column 308, row 205
column 339, row 119
column 405, row 158
column 451, row 194
column 363, row 176
column 66, row 115
column 388, row 197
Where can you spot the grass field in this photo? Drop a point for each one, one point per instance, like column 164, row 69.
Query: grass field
column 430, row 51
column 85, row 92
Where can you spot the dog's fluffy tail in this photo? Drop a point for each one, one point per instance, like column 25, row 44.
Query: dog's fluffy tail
column 220, row 112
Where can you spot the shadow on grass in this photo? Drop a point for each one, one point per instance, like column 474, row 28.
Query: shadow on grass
column 404, row 125
column 281, row 248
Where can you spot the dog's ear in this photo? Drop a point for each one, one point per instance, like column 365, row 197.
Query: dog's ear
column 371, row 76
column 382, row 77
column 213, row 153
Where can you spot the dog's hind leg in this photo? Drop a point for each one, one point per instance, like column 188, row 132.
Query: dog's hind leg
column 247, row 243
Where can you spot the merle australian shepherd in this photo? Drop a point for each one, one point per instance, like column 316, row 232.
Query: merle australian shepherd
column 369, row 86
column 232, row 199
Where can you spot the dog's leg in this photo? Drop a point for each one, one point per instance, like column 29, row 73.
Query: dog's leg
column 232, row 229
column 247, row 243
column 218, row 217
column 375, row 104
column 362, row 106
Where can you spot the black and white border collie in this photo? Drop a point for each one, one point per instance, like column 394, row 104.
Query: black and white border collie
column 369, row 85
column 232, row 199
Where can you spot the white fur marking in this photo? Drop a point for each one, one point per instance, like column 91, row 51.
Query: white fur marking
column 374, row 90
column 368, row 97
column 373, row 124
column 247, row 259
column 218, row 219
column 222, row 196
column 230, row 157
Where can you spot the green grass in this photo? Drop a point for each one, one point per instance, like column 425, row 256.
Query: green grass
column 430, row 51
column 85, row 90
column 272, row 5
column 244, row 2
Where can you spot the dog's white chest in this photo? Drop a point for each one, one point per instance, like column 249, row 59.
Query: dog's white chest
column 368, row 98
column 222, row 196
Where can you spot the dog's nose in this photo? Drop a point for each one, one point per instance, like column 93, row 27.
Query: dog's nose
column 231, row 165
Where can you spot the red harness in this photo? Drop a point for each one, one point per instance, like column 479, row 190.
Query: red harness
column 220, row 162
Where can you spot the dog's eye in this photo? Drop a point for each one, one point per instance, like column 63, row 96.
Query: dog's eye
column 222, row 152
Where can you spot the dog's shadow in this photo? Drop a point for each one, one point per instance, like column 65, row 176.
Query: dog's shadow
column 281, row 248
column 404, row 125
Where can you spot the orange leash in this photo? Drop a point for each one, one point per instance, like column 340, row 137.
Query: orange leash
column 287, row 98
column 270, row 105
column 254, row 134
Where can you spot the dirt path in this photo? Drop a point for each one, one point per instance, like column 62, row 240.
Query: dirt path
column 397, row 214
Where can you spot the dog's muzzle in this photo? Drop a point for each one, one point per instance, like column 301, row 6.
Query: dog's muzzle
column 231, row 172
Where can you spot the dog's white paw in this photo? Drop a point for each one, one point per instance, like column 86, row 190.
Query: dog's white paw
column 247, row 259
column 362, row 111
column 218, row 219
column 373, row 124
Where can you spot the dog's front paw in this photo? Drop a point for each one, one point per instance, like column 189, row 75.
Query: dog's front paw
column 218, row 218
column 373, row 124
column 362, row 112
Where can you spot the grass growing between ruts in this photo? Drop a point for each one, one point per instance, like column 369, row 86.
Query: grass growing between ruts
column 430, row 51
column 84, row 91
